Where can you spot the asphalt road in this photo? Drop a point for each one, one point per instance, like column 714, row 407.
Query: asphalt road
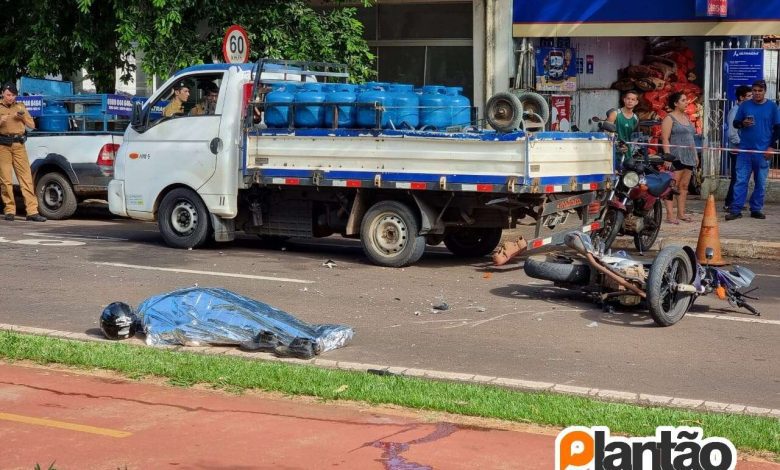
column 500, row 322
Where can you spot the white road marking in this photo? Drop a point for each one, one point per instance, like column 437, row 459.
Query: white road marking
column 76, row 236
column 39, row 242
column 742, row 319
column 206, row 273
column 768, row 275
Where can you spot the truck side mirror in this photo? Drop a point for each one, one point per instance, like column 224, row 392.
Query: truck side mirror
column 135, row 117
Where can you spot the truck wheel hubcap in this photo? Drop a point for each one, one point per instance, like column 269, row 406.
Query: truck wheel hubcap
column 52, row 195
column 184, row 218
column 390, row 234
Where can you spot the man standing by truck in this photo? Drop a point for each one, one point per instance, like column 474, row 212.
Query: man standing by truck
column 13, row 155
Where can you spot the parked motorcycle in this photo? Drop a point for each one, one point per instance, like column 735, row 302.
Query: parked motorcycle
column 667, row 287
column 633, row 206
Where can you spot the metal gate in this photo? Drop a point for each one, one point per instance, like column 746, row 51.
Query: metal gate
column 715, row 162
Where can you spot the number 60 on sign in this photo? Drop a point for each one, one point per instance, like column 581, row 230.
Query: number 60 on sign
column 235, row 45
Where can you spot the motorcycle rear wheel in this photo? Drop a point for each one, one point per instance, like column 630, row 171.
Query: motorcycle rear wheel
column 557, row 268
column 672, row 266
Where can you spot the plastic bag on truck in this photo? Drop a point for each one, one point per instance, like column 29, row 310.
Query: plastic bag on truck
column 199, row 316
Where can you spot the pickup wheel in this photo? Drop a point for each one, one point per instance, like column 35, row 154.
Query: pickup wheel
column 56, row 199
column 390, row 235
column 183, row 219
column 472, row 242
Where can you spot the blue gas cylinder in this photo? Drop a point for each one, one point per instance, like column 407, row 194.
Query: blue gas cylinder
column 405, row 106
column 343, row 93
column 435, row 111
column 311, row 115
column 460, row 107
column 366, row 114
column 54, row 117
column 276, row 115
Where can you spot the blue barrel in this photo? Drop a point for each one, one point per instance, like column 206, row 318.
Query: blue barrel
column 312, row 115
column 366, row 115
column 460, row 106
column 278, row 116
column 435, row 111
column 406, row 106
column 54, row 118
column 344, row 93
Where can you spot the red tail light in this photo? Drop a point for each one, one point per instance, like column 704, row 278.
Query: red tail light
column 247, row 95
column 107, row 155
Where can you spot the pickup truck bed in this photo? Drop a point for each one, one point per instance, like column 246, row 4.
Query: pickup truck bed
column 481, row 161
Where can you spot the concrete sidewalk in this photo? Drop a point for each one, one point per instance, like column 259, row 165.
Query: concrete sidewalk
column 99, row 420
column 741, row 238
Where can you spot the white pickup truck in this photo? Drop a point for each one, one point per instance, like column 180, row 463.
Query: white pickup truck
column 205, row 177
column 72, row 149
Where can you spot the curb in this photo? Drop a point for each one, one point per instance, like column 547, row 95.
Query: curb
column 730, row 247
column 522, row 385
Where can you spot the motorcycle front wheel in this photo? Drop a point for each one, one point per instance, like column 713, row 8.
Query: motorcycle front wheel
column 671, row 267
column 610, row 227
column 645, row 240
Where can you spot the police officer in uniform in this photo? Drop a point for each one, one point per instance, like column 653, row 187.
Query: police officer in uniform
column 13, row 155
column 181, row 93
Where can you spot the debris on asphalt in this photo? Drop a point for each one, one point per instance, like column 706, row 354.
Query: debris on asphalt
column 330, row 264
column 441, row 305
column 593, row 324
column 213, row 316
column 417, row 313
column 481, row 309
column 487, row 275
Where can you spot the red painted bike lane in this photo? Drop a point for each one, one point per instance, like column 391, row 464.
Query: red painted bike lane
column 85, row 422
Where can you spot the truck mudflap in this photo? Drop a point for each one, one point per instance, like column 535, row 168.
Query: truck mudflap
column 553, row 213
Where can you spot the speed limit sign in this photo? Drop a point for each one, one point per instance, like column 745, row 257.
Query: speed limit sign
column 235, row 46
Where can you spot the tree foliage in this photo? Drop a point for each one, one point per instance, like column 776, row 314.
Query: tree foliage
column 101, row 36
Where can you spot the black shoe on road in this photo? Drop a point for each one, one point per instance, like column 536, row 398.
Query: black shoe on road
column 9, row 217
column 758, row 215
column 36, row 218
column 732, row 216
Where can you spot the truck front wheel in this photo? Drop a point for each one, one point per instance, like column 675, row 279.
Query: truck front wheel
column 56, row 199
column 390, row 235
column 183, row 219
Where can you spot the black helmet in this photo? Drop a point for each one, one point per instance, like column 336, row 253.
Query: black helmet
column 118, row 321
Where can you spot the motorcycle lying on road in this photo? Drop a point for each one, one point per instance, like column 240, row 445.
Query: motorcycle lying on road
column 667, row 287
column 633, row 207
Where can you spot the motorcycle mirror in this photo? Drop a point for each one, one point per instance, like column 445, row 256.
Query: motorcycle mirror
column 709, row 253
column 595, row 119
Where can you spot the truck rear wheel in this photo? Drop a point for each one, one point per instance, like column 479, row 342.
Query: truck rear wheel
column 56, row 199
column 390, row 235
column 183, row 219
column 472, row 242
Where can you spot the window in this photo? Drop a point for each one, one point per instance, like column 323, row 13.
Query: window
column 198, row 97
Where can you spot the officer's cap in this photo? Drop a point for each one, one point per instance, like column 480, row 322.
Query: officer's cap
column 10, row 87
column 180, row 84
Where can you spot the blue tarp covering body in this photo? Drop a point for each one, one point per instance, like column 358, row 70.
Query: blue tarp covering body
column 211, row 316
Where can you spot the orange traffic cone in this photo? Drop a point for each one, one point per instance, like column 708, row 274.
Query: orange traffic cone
column 709, row 236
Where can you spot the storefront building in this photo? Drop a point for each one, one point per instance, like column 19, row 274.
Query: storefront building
column 693, row 46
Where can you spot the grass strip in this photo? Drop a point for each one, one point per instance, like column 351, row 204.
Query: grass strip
column 237, row 374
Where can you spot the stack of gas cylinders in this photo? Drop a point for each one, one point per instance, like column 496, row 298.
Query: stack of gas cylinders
column 432, row 107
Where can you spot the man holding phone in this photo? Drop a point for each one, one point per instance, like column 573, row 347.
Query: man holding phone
column 759, row 122
column 14, row 118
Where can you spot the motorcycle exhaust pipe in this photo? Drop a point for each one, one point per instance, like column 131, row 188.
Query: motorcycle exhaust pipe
column 606, row 271
column 575, row 241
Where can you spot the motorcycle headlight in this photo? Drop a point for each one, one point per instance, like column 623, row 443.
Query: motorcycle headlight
column 630, row 179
